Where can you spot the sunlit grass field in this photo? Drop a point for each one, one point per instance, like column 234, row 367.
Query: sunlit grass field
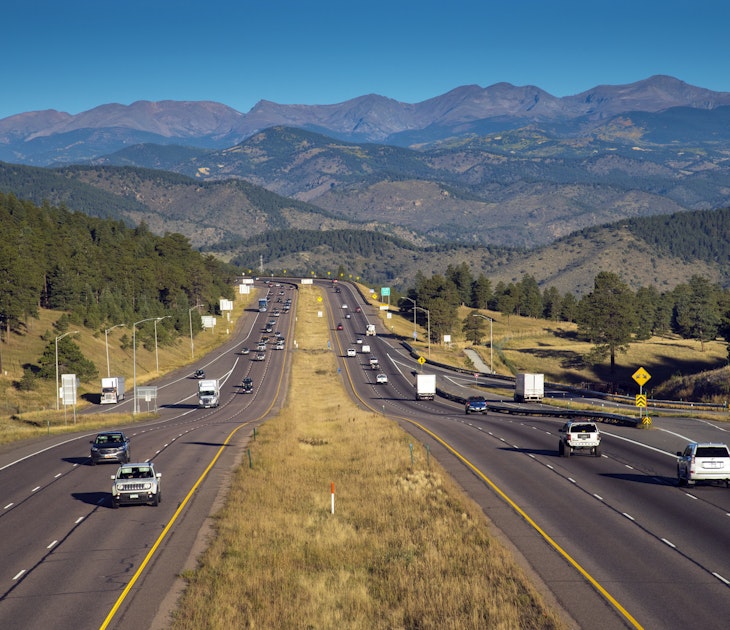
column 404, row 547
column 523, row 344
column 29, row 414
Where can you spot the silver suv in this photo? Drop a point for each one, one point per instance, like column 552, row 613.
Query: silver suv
column 579, row 436
column 110, row 446
column 707, row 461
column 136, row 483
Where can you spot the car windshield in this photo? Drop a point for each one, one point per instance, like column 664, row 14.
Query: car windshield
column 135, row 472
column 109, row 439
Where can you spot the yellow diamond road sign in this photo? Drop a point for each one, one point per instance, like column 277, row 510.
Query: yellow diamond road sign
column 641, row 376
column 421, row 360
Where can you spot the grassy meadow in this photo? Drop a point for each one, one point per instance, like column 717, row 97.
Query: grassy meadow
column 404, row 548
column 679, row 368
column 29, row 414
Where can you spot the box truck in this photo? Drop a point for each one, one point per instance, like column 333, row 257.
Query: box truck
column 370, row 330
column 529, row 387
column 425, row 386
column 112, row 390
column 208, row 393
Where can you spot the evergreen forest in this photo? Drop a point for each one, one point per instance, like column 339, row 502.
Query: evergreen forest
column 99, row 272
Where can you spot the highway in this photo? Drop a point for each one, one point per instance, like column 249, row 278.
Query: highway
column 72, row 562
column 613, row 539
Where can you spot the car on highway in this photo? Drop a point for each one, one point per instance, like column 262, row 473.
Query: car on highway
column 136, row 484
column 703, row 461
column 358, row 309
column 351, row 352
column 199, row 374
column 247, row 385
column 475, row 404
column 261, row 356
column 245, row 350
column 579, row 435
column 279, row 345
column 381, row 378
column 340, row 327
column 261, row 346
column 110, row 446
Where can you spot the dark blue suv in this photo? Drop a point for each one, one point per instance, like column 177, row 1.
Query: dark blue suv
column 475, row 404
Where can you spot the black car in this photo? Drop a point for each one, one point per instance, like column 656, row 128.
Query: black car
column 247, row 385
column 199, row 374
column 475, row 404
column 110, row 446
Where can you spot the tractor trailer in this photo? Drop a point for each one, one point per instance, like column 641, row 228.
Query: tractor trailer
column 112, row 390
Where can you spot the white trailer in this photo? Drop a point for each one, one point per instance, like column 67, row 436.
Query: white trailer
column 112, row 390
column 529, row 387
column 425, row 386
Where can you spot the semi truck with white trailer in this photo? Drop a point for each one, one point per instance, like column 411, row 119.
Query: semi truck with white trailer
column 112, row 390
column 208, row 393
column 529, row 387
column 425, row 386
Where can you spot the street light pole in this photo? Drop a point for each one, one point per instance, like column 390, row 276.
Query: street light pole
column 157, row 361
column 491, row 345
column 190, row 319
column 75, row 332
column 428, row 316
column 106, row 342
column 135, row 409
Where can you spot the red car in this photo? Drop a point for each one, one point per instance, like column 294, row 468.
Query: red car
column 340, row 327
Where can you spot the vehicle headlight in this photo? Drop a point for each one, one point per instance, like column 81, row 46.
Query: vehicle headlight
column 147, row 486
column 94, row 448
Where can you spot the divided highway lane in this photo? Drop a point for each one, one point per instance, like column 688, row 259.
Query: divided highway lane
column 652, row 547
column 614, row 538
column 67, row 556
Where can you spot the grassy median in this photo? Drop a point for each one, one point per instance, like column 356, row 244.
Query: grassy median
column 404, row 548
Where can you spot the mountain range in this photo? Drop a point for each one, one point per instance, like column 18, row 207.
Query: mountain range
column 502, row 166
column 51, row 137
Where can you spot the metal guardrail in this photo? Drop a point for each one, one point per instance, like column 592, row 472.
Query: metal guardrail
column 602, row 416
column 615, row 418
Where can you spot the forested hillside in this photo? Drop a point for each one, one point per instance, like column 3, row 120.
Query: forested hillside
column 98, row 270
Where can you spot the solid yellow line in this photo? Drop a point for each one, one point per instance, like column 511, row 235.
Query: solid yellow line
column 189, row 495
column 509, row 501
column 534, row 525
column 162, row 536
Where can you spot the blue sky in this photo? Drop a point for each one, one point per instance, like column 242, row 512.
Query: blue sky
column 72, row 56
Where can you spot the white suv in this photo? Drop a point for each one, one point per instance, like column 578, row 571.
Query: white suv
column 707, row 461
column 580, row 435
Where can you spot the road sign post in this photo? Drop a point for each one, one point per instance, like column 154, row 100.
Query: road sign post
column 641, row 376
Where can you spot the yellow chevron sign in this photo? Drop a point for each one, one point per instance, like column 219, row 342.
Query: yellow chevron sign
column 641, row 400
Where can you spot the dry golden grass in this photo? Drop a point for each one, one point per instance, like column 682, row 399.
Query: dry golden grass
column 523, row 344
column 404, row 548
column 25, row 415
